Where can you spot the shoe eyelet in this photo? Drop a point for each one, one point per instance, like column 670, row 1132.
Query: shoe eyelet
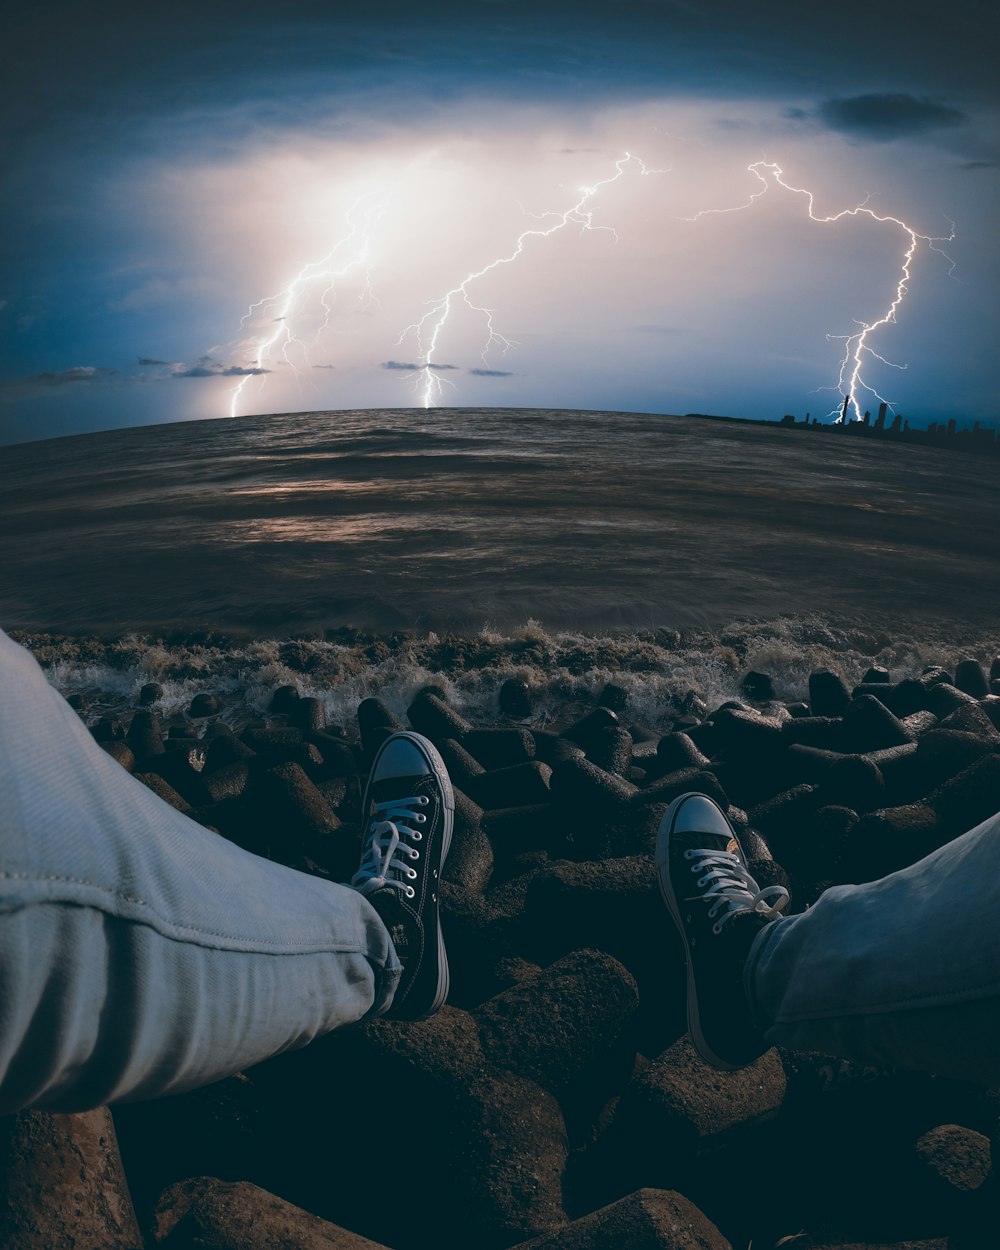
column 416, row 835
column 411, row 873
column 414, row 854
column 424, row 800
column 717, row 929
column 701, row 881
column 689, row 854
column 410, row 892
column 420, row 818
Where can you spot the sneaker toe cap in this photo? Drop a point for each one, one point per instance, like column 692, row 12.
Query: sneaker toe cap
column 696, row 813
column 401, row 757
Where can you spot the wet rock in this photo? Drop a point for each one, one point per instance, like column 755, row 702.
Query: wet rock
column 462, row 768
column 284, row 700
column 376, row 722
column 581, row 788
column 299, row 818
column 203, row 704
column 500, row 748
column 611, row 749
column 853, row 782
column 263, row 738
column 498, row 1138
column 784, row 819
column 828, row 693
column 108, row 729
column 513, row 830
column 877, row 674
column 181, row 769
column 552, row 749
column 210, row 1214
column 120, row 752
column 970, row 678
column 972, row 718
column 941, row 698
column 520, row 785
column 941, row 753
column 747, row 731
column 900, row 771
column 991, row 707
column 758, row 687
column 890, row 838
column 145, row 736
column 677, row 750
column 804, row 763
column 829, row 843
column 227, row 783
column 63, row 1184
column 470, row 858
column 562, row 1022
column 583, row 730
column 613, row 696
column 225, row 750
column 868, row 725
column 308, row 714
column 695, row 780
column 969, row 798
column 918, row 723
column 649, row 1219
column 612, row 905
column 224, row 1129
column 954, row 1160
column 678, row 1107
column 151, row 692
column 814, row 731
column 163, row 790
column 431, row 716
column 515, row 699
column 337, row 758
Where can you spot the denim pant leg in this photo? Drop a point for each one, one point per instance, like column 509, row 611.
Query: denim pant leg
column 141, row 954
column 903, row 971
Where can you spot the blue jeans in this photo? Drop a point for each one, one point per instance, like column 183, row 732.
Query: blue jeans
column 140, row 953
column 903, row 971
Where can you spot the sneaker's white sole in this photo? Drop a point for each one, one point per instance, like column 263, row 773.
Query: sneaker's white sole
column 662, row 859
column 433, row 758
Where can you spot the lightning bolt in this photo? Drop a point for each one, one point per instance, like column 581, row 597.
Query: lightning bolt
column 351, row 252
column 857, row 346
column 427, row 331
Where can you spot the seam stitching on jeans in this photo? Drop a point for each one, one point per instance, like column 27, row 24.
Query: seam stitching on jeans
column 169, row 924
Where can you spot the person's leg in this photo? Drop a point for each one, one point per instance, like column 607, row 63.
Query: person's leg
column 903, row 971
column 140, row 953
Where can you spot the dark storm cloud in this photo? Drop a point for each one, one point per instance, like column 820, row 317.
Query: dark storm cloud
column 412, row 367
column 324, row 366
column 207, row 368
column 149, row 360
column 980, row 165
column 490, row 373
column 882, row 118
column 80, row 373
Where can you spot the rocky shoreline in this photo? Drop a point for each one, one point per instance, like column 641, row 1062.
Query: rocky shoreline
column 555, row 1101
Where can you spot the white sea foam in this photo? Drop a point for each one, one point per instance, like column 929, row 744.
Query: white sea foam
column 565, row 671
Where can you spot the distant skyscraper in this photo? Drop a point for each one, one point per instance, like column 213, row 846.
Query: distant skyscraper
column 880, row 419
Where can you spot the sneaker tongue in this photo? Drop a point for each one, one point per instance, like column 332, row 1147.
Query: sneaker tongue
column 690, row 838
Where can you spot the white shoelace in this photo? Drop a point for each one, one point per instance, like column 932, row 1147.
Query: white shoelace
column 733, row 889
column 383, row 862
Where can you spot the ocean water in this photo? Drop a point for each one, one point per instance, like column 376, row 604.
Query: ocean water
column 568, row 546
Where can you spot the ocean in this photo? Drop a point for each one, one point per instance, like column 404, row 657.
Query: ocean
column 372, row 550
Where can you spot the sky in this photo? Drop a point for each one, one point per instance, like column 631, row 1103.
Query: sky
column 234, row 208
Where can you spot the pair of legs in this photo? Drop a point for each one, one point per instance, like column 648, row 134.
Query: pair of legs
column 142, row 955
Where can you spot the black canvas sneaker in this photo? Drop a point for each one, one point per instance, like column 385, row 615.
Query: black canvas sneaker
column 409, row 813
column 719, row 909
